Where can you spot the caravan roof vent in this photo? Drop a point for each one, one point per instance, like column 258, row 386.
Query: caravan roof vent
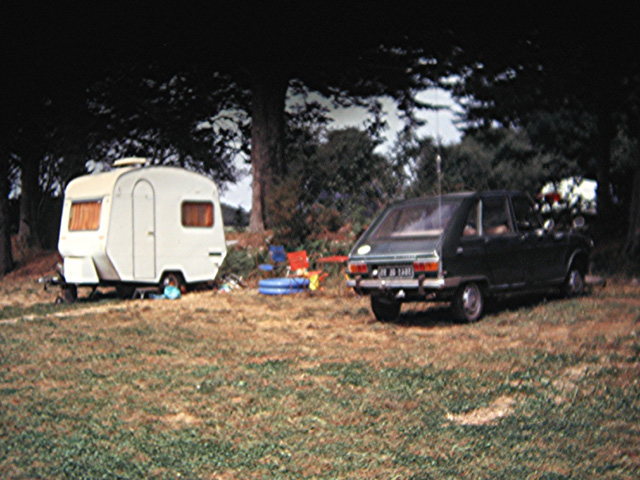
column 129, row 162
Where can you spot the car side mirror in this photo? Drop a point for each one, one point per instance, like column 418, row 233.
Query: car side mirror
column 549, row 224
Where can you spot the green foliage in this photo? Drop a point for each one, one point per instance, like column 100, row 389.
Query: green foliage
column 495, row 159
column 329, row 183
column 235, row 217
column 186, row 118
column 288, row 213
column 239, row 261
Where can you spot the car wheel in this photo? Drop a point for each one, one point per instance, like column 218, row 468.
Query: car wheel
column 468, row 303
column 574, row 284
column 385, row 309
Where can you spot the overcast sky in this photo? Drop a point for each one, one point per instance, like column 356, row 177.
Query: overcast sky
column 438, row 125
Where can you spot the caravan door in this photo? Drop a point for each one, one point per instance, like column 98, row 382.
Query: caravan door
column 144, row 232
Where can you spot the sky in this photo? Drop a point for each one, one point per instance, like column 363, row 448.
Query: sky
column 438, row 125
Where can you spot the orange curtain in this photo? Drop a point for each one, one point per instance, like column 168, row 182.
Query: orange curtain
column 85, row 216
column 197, row 214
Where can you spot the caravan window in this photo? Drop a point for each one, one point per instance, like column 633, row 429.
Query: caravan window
column 85, row 215
column 197, row 214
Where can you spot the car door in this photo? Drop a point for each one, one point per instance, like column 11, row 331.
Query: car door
column 503, row 248
column 542, row 252
column 469, row 260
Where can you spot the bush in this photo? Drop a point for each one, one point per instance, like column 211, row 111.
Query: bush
column 240, row 262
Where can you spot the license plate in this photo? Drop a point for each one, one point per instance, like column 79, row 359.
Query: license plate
column 396, row 272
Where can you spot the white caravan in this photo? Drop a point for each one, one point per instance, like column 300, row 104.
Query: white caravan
column 136, row 226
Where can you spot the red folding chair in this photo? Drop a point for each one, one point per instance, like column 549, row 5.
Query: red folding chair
column 299, row 267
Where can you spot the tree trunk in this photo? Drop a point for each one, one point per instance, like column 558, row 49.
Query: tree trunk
column 606, row 134
column 632, row 246
column 267, row 137
column 6, row 258
column 29, row 195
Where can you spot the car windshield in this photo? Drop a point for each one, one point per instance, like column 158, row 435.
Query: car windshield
column 424, row 219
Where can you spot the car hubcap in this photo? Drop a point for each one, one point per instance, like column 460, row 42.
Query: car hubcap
column 471, row 300
column 575, row 282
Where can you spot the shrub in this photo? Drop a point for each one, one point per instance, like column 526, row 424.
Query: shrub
column 240, row 262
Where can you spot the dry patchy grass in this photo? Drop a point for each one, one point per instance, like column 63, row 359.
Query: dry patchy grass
column 241, row 385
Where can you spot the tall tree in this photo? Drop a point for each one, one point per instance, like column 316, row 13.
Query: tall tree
column 349, row 57
column 6, row 257
column 632, row 244
column 77, row 110
column 180, row 115
column 491, row 159
column 352, row 56
column 584, row 73
column 269, row 88
column 333, row 177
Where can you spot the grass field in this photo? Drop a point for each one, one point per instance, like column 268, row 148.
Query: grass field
column 240, row 385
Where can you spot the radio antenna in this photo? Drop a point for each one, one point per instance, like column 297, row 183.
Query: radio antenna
column 438, row 162
column 439, row 172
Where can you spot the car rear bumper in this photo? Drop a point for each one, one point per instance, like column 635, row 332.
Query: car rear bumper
column 420, row 284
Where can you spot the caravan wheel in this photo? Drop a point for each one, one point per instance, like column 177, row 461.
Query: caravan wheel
column 125, row 291
column 69, row 294
column 173, row 278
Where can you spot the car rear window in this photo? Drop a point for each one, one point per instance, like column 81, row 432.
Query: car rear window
column 426, row 219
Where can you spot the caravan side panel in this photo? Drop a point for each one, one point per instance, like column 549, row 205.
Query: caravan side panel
column 148, row 235
column 190, row 231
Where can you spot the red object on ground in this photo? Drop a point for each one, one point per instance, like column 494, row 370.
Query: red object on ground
column 334, row 259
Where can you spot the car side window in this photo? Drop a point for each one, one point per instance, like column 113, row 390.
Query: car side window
column 495, row 216
column 527, row 218
column 472, row 224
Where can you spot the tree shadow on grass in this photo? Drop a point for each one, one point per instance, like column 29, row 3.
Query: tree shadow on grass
column 431, row 315
column 441, row 314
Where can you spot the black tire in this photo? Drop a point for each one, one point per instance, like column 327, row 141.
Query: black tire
column 69, row 293
column 385, row 309
column 468, row 303
column 172, row 278
column 125, row 291
column 574, row 284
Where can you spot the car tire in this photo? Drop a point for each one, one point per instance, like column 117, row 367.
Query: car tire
column 468, row 303
column 385, row 309
column 574, row 284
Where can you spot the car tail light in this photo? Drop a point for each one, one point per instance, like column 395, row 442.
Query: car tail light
column 357, row 268
column 423, row 266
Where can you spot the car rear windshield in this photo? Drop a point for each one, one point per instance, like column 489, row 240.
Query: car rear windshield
column 424, row 219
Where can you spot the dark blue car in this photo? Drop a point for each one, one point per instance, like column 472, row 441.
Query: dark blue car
column 463, row 248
